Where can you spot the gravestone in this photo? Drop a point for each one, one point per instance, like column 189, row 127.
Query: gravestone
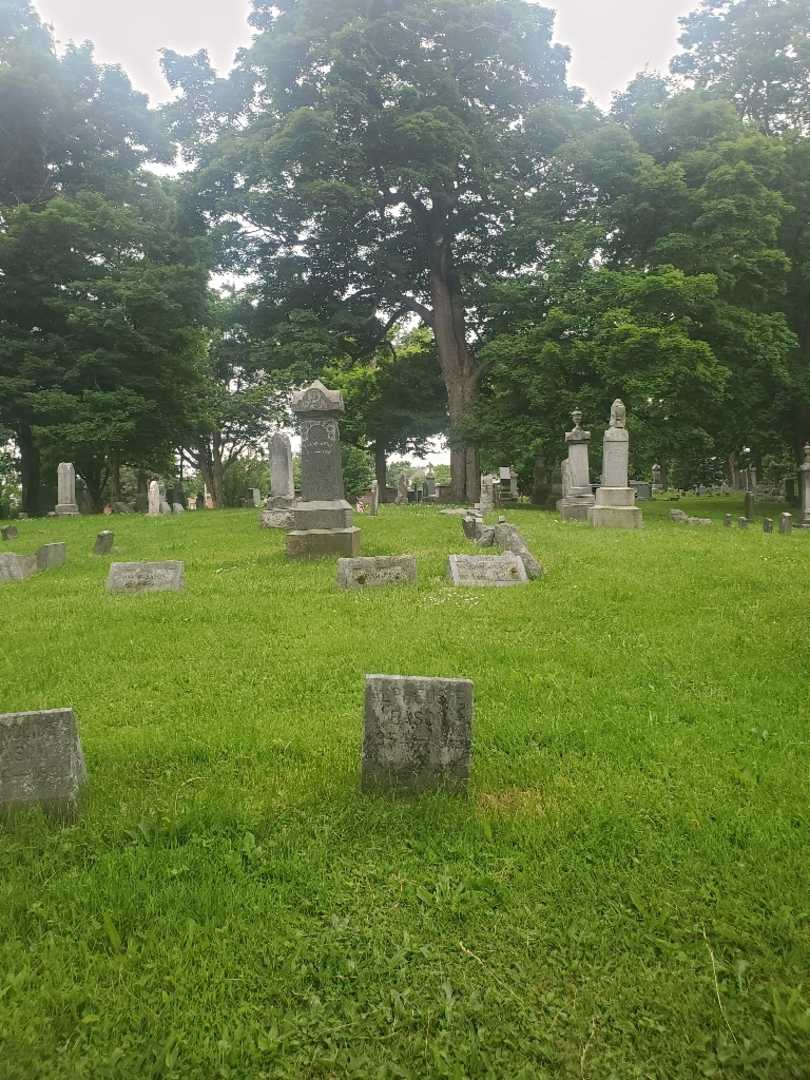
column 376, row 570
column 66, row 487
column 41, row 761
column 614, row 507
column 17, row 567
column 507, row 537
column 642, row 489
column 374, row 498
column 104, row 542
column 154, row 499
column 487, row 503
column 471, row 526
column 577, row 497
column 430, row 483
column 322, row 519
column 9, row 532
column 50, row 556
column 140, row 577
column 698, row 521
column 767, row 525
column 165, row 508
column 256, row 496
column 417, row 734
column 805, row 480
column 743, row 522
column 786, row 524
column 678, row 515
column 657, row 473
column 541, row 488
column 748, row 507
column 487, row 570
column 727, row 521
column 178, row 508
column 402, row 490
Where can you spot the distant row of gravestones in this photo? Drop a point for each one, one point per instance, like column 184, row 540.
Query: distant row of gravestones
column 785, row 521
column 417, row 737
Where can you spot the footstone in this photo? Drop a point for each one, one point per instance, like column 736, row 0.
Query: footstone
column 50, row 556
column 767, row 525
column 507, row 537
column 786, row 524
column 17, row 567
column 41, row 761
column 66, row 487
column 104, row 542
column 728, row 521
column 489, row 570
column 417, row 734
column 138, row 577
column 376, row 570
column 9, row 532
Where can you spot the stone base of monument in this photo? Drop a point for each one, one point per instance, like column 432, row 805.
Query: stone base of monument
column 317, row 543
column 575, row 507
column 325, row 514
column 66, row 510
column 614, row 509
column 277, row 514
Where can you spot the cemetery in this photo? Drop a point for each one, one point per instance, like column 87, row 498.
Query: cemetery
column 404, row 547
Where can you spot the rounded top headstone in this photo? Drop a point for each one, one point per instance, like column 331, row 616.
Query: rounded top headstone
column 317, row 400
column 618, row 414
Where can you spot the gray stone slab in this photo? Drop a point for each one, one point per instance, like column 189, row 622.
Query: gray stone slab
column 417, row 734
column 50, row 556
column 376, row 570
column 104, row 542
column 9, row 532
column 41, row 761
column 786, row 524
column 17, row 567
column 139, row 577
column 489, row 570
column 508, row 537
column 276, row 518
column 318, row 543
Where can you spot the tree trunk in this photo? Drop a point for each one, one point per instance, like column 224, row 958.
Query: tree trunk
column 31, row 472
column 458, row 368
column 209, row 461
column 380, row 468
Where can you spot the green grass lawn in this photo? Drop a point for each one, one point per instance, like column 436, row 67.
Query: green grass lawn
column 625, row 892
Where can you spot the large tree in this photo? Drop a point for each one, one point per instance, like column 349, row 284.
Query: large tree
column 378, row 164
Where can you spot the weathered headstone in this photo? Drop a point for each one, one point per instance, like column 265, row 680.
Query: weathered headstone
column 50, row 556
column 402, row 490
column 642, row 489
column 577, row 497
column 66, row 488
column 430, row 483
column 488, row 570
column 41, row 761
column 767, row 525
column 256, row 496
column 417, row 734
column 154, row 499
column 376, row 570
column 615, row 499
column 9, row 532
column 374, row 498
column 805, row 479
column 322, row 519
column 743, row 522
column 698, row 521
column 506, row 536
column 165, row 507
column 748, row 508
column 139, row 577
column 728, row 521
column 657, row 473
column 786, row 524
column 678, row 515
column 17, row 567
column 487, row 503
column 104, row 542
column 178, row 508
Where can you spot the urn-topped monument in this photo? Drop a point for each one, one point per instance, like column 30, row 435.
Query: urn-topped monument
column 577, row 492
column 615, row 499
column 322, row 518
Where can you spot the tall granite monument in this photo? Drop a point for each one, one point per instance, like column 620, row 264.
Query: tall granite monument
column 615, row 500
column 66, row 488
column 322, row 518
column 577, row 492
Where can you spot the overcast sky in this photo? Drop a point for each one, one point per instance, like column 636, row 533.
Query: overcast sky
column 610, row 40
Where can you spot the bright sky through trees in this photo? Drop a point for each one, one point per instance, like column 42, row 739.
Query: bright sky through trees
column 610, row 40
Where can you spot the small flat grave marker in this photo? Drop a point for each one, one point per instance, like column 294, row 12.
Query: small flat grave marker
column 376, row 570
column 417, row 733
column 138, row 577
column 490, row 570
column 9, row 532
